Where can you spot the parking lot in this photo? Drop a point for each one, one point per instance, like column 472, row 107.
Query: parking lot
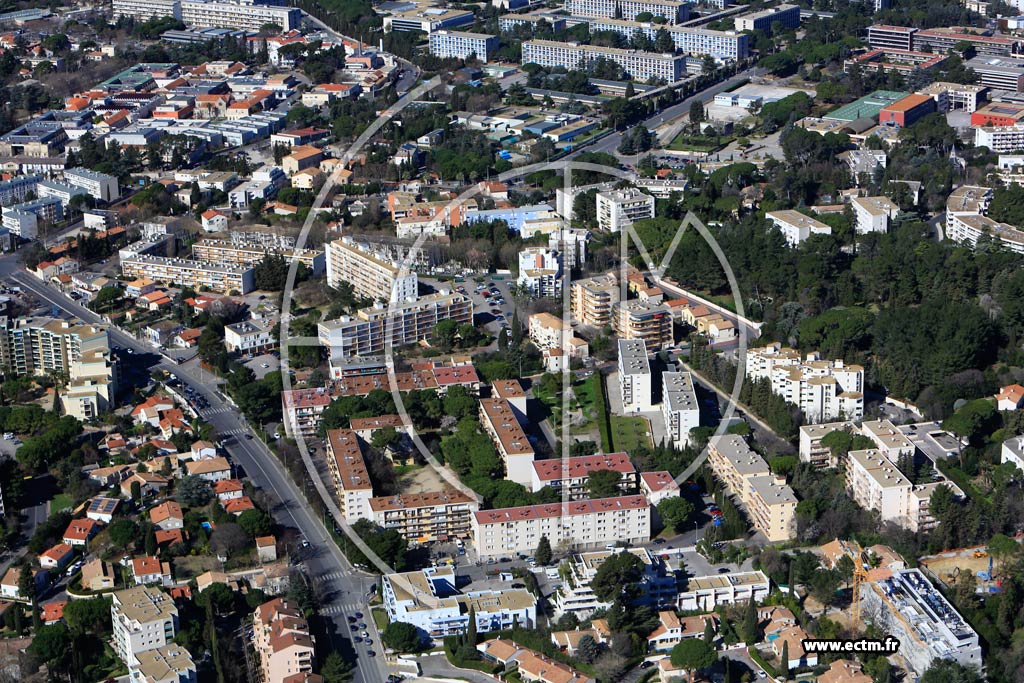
column 263, row 364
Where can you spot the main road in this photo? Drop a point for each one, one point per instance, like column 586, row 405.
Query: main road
column 344, row 588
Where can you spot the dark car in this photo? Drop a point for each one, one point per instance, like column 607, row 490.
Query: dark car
column 353, row 627
column 646, row 664
column 724, row 570
column 358, row 615
column 659, row 541
column 371, row 653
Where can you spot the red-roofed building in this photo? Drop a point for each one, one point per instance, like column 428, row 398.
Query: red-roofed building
column 167, row 516
column 149, row 410
column 52, row 612
column 908, row 111
column 148, row 570
column 80, row 532
column 228, row 489
column 658, row 486
column 572, row 473
column 58, row 557
column 237, row 506
column 1010, row 397
column 169, row 537
column 463, row 375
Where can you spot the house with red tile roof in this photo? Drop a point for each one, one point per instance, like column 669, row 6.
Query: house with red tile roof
column 58, row 557
column 228, row 489
column 81, row 531
column 147, row 569
column 237, row 506
column 1010, row 397
column 169, row 537
column 52, row 612
column 167, row 516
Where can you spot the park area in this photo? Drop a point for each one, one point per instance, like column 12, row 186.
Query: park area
column 630, row 433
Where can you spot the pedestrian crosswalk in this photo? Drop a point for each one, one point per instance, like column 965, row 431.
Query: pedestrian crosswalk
column 206, row 412
column 324, row 578
column 238, row 431
column 340, row 608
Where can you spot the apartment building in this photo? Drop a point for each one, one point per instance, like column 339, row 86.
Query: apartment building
column 722, row 45
column 249, row 337
column 408, row 322
column 875, row 483
column 1001, row 139
column 429, row 600
column 769, row 502
column 812, row 451
column 873, row 214
column 966, row 220
column 946, row 39
column 640, row 66
column 675, row 12
column 143, row 619
column 955, row 96
column 449, row 44
column 302, row 409
column 786, row 15
column 823, row 389
column 16, row 189
column 99, row 185
column 592, row 300
column 441, row 516
column 144, row 10
column 24, row 219
column 888, row 439
column 168, row 664
column 568, row 476
column 907, row 606
column 635, row 378
column 427, row 20
column 645, row 320
column 500, row 423
column 351, row 478
column 370, row 275
column 998, row 73
column 540, row 271
column 705, row 593
column 188, row 273
column 581, row 524
column 679, row 407
column 891, row 37
column 656, row 587
column 282, row 641
column 234, row 253
column 546, row 331
column 246, row 17
column 617, row 209
column 797, row 227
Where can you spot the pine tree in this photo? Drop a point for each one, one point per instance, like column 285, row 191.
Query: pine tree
column 471, row 631
column 709, row 631
column 543, row 552
column 750, row 623
column 790, row 579
column 784, row 666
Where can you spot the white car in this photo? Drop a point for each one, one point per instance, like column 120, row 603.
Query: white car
column 8, row 436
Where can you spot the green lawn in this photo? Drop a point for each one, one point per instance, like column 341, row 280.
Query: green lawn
column 380, row 618
column 684, row 142
column 630, row 433
column 61, row 501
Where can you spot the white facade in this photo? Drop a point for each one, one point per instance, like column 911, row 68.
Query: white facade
column 462, row 45
column 679, row 406
column 370, row 275
column 873, row 213
column 629, row 9
column 966, row 220
column 704, row 593
column 143, row 10
column 655, row 588
column 143, row 619
column 824, row 390
column 540, row 271
column 638, row 65
column 796, row 227
column 618, row 208
column 248, row 336
column 635, row 384
column 811, row 450
column 98, row 185
column 722, row 45
column 1013, row 452
column 248, row 17
column 1000, row 139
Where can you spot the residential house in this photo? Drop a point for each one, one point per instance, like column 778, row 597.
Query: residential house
column 97, row 575
column 228, row 489
column 792, row 639
column 102, row 509
column 167, row 516
column 58, row 557
column 1010, row 397
column 211, row 469
column 80, row 532
column 9, row 589
column 148, row 570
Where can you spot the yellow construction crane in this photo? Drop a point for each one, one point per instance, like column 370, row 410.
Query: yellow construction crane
column 861, row 563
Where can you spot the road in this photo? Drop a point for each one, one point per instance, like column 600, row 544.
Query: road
column 330, row 571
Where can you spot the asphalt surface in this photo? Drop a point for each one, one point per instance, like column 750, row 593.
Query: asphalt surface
column 333, row 577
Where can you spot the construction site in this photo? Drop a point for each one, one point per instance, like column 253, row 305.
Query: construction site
column 949, row 566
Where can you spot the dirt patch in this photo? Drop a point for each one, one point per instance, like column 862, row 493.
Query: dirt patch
column 421, row 478
column 947, row 566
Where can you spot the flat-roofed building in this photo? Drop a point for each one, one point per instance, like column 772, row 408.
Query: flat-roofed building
column 797, row 227
column 946, row 39
column 245, row 16
column 1000, row 139
column 999, row 73
column 635, row 378
column 812, row 451
column 144, row 10
column 825, row 390
column 722, row 45
column 581, row 524
column 167, row 664
column 249, row 336
column 501, row 424
column 351, row 478
column 449, row 44
column 617, row 209
column 189, row 273
column 786, row 15
column 891, row 37
column 873, row 214
column 540, row 271
column 656, row 586
column 99, row 185
column 679, row 406
column 427, row 20
column 955, row 96
column 429, row 600
column 441, row 516
column 672, row 10
column 143, row 619
column 231, row 253
column 705, row 593
column 888, row 438
column 966, row 220
column 769, row 502
column 907, row 111
column 998, row 114
column 644, row 320
column 568, row 476
column 592, row 300
column 637, row 65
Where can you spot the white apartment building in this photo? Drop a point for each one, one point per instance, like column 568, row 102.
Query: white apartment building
column 568, row 476
column 546, row 331
column 1000, row 139
column 875, row 483
column 955, row 96
column 769, row 502
column 635, row 385
column 144, row 10
column 873, row 213
column 640, row 66
column 168, row 664
column 582, row 524
column 351, row 478
column 427, row 19
column 656, row 587
column 99, row 185
column 501, row 424
column 679, row 406
column 246, row 17
column 540, row 271
column 617, row 209
column 811, row 450
column 888, row 439
column 237, row 252
column 1013, row 451
column 462, row 45
column 722, row 45
column 704, row 593
column 429, row 600
column 23, row 219
column 592, row 300
column 368, row 332
column 144, row 619
column 823, row 389
column 189, row 273
column 370, row 275
column 787, row 15
column 795, row 226
column 966, row 220
column 248, row 336
column 672, row 10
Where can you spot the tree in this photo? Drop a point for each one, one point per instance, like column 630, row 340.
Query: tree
column 709, row 631
column 136, row 491
column 88, row 616
column 749, row 629
column 696, row 113
column 784, row 657
column 228, row 539
column 693, row 654
column 603, row 484
column 336, row 669
column 675, row 512
column 52, row 645
column 615, row 575
column 219, row 597
column 123, row 532
column 946, row 671
column 1003, row 548
column 588, row 649
column 402, row 637
column 256, row 523
column 193, row 492
column 543, row 552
